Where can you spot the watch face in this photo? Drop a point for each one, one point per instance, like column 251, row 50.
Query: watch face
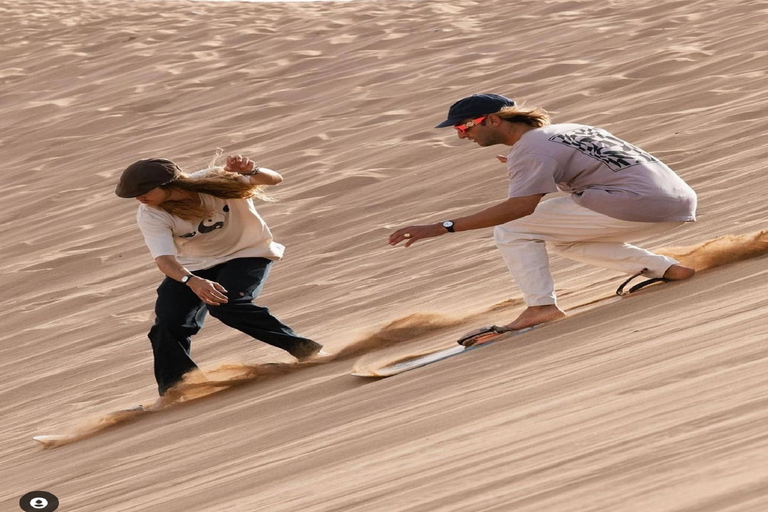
column 185, row 279
column 448, row 224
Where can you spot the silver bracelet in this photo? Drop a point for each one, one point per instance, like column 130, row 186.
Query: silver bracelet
column 255, row 171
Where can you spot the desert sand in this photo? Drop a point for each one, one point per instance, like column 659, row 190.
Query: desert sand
column 655, row 402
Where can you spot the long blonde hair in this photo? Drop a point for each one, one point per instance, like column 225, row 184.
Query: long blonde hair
column 533, row 116
column 218, row 183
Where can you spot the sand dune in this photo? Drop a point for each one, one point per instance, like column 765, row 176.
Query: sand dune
column 653, row 403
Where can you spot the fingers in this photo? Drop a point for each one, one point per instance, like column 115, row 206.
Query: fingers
column 501, row 158
column 239, row 163
column 212, row 300
column 402, row 234
column 413, row 233
column 246, row 164
column 215, row 294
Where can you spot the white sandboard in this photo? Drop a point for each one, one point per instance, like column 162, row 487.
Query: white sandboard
column 404, row 365
column 54, row 439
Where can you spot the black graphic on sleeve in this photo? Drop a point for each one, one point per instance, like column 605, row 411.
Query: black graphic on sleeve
column 601, row 145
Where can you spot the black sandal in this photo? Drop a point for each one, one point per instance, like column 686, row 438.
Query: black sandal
column 471, row 338
column 639, row 286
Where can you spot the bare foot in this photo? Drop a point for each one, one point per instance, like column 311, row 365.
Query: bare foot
column 678, row 273
column 535, row 315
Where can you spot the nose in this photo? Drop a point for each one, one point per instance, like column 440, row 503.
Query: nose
column 461, row 134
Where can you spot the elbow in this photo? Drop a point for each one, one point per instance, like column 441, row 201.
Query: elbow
column 528, row 211
column 523, row 206
column 269, row 177
column 531, row 203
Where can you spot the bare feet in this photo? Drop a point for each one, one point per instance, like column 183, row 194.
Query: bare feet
column 678, row 273
column 535, row 315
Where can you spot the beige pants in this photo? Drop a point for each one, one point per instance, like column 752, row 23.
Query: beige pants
column 579, row 234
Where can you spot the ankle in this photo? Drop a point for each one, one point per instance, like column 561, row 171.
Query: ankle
column 534, row 315
column 679, row 273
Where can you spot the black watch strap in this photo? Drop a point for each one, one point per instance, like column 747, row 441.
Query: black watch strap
column 448, row 224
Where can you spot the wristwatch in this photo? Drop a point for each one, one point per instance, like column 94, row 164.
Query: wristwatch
column 448, row 224
column 186, row 278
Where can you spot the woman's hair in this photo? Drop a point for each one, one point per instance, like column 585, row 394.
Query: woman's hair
column 534, row 116
column 218, row 183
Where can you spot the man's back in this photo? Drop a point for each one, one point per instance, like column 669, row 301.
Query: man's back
column 606, row 174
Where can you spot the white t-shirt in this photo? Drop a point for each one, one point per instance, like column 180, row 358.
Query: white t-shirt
column 603, row 172
column 234, row 230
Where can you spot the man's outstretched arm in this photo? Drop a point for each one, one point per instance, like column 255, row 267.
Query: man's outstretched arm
column 501, row 213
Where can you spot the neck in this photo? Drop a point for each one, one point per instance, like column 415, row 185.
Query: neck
column 516, row 131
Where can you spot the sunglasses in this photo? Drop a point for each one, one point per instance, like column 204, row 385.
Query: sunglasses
column 469, row 124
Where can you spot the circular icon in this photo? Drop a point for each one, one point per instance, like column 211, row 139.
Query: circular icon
column 39, row 501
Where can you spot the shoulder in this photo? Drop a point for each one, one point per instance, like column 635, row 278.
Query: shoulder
column 149, row 215
column 565, row 135
column 538, row 141
column 202, row 173
column 560, row 128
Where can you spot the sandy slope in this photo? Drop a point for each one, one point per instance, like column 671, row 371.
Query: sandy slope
column 657, row 402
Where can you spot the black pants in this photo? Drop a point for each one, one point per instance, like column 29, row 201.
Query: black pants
column 179, row 315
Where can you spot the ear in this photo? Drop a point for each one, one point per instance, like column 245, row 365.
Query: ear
column 493, row 120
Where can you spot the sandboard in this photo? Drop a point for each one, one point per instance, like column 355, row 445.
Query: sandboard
column 53, row 439
column 411, row 363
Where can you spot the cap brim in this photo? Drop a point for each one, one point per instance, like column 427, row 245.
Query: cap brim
column 129, row 192
column 125, row 193
column 445, row 123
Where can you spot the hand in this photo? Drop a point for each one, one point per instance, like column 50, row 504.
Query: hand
column 209, row 292
column 413, row 233
column 239, row 164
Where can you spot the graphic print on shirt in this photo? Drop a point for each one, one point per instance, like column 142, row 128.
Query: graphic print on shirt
column 601, row 145
column 210, row 223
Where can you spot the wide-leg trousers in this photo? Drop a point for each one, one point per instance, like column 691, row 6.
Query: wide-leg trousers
column 179, row 315
column 579, row 234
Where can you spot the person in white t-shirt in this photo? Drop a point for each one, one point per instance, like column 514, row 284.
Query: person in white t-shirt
column 216, row 251
column 617, row 193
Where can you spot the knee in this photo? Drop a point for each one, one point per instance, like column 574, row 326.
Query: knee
column 174, row 327
column 502, row 235
column 510, row 234
column 236, row 305
column 559, row 248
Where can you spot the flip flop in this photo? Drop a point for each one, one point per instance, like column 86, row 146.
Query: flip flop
column 480, row 335
column 620, row 291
